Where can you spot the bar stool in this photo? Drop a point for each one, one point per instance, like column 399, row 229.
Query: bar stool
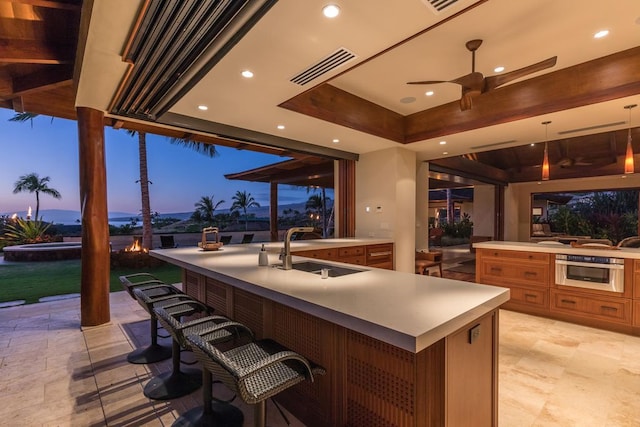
column 149, row 296
column 138, row 280
column 255, row 371
column 177, row 382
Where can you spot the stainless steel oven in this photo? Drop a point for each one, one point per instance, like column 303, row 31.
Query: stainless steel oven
column 593, row 272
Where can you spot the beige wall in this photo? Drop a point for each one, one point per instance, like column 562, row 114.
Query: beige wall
column 518, row 198
column 386, row 185
column 482, row 213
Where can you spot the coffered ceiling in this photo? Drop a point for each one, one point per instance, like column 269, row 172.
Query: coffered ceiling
column 364, row 101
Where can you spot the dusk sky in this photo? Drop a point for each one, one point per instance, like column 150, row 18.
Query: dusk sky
column 180, row 176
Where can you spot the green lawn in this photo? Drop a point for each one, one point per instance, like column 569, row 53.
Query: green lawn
column 30, row 281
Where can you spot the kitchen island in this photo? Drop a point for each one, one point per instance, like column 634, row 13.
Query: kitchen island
column 399, row 349
column 530, row 270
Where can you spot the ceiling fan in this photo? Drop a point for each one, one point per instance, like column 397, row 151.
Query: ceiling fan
column 474, row 83
column 567, row 161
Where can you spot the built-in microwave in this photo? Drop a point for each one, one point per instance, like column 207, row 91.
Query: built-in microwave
column 593, row 272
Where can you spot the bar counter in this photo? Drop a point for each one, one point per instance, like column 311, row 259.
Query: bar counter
column 386, row 338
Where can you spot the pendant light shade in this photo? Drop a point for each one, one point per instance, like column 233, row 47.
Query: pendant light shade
column 629, row 166
column 545, row 158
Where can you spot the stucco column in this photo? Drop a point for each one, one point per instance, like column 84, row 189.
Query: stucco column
column 94, row 281
column 422, row 206
column 386, row 201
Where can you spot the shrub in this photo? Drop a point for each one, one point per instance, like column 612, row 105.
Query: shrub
column 22, row 231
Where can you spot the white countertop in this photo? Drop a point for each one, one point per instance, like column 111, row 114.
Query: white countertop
column 407, row 310
column 633, row 253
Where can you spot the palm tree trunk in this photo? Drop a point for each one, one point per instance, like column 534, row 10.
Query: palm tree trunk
column 147, row 232
column 37, row 205
column 246, row 220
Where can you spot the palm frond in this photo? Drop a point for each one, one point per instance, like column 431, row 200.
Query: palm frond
column 208, row 150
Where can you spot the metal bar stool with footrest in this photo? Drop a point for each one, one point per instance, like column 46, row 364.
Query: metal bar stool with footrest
column 148, row 297
column 178, row 382
column 256, row 371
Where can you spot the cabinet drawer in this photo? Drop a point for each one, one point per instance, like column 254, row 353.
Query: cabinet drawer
column 516, row 255
column 493, row 272
column 636, row 313
column 326, row 254
column 350, row 251
column 636, row 285
column 385, row 265
column 378, row 254
column 618, row 310
column 357, row 260
column 535, row 297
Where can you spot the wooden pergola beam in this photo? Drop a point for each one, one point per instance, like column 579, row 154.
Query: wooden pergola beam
column 33, row 52
column 43, row 80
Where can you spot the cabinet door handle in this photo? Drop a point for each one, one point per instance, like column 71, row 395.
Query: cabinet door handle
column 496, row 269
column 530, row 296
column 608, row 308
column 567, row 301
column 385, row 253
column 530, row 273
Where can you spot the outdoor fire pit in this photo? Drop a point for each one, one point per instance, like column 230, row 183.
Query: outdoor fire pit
column 134, row 256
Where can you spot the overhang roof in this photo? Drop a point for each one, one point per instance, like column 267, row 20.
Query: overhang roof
column 304, row 172
column 365, row 102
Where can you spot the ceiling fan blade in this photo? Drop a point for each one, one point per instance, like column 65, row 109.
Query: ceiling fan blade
column 466, row 102
column 493, row 82
column 430, row 82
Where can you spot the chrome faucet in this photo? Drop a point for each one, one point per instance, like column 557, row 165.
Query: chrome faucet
column 286, row 252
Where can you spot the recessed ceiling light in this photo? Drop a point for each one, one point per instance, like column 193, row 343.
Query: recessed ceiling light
column 429, row 93
column 331, row 11
column 445, row 153
column 499, row 69
column 533, row 144
column 280, row 127
column 203, row 107
column 247, row 74
column 336, row 140
column 408, row 100
column 600, row 34
column 443, row 142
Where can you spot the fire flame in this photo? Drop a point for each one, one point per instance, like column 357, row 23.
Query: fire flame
column 135, row 247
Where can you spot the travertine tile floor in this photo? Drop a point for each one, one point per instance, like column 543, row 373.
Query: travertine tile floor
column 53, row 374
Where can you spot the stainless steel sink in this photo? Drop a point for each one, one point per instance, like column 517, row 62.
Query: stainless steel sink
column 316, row 268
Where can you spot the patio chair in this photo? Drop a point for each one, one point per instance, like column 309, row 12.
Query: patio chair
column 247, row 238
column 167, row 242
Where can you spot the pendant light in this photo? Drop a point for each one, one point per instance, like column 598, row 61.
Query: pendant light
column 628, row 159
column 545, row 158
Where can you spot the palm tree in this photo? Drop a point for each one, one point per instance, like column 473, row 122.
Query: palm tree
column 34, row 184
column 205, row 209
column 202, row 148
column 243, row 200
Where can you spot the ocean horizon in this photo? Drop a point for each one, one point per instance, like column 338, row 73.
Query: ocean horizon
column 72, row 217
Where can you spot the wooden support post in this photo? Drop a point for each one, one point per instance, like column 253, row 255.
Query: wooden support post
column 347, row 194
column 273, row 211
column 94, row 281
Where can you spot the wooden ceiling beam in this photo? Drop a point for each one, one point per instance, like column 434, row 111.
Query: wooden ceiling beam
column 464, row 167
column 48, row 4
column 32, row 52
column 335, row 105
column 604, row 79
column 44, row 79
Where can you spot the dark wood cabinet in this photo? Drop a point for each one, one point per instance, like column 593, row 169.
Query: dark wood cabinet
column 379, row 256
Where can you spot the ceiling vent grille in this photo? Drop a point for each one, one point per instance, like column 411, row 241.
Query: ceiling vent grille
column 331, row 62
column 494, row 144
column 606, row 125
column 439, row 5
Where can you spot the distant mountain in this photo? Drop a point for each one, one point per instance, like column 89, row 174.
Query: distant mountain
column 70, row 217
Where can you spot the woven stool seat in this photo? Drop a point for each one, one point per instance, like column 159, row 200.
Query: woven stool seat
column 255, row 371
column 139, row 280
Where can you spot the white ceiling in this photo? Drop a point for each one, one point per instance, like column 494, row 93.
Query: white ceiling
column 294, row 34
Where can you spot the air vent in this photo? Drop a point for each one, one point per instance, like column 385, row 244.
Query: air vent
column 606, row 125
column 439, row 5
column 495, row 144
column 331, row 62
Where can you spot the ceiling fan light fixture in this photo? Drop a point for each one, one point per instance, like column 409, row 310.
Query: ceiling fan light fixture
column 629, row 166
column 545, row 157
